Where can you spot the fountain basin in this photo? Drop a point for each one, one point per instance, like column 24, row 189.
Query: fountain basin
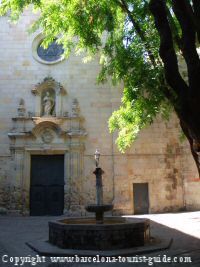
column 85, row 234
column 99, row 210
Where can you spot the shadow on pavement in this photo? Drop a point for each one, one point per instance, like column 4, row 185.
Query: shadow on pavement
column 16, row 231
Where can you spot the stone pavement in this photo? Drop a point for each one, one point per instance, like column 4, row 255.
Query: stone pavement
column 184, row 228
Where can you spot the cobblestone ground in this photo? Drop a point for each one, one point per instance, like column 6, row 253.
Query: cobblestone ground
column 184, row 228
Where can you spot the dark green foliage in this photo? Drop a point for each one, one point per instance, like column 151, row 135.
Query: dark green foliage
column 124, row 35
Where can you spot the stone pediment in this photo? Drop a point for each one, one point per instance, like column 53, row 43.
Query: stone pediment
column 43, row 126
column 48, row 82
column 26, row 126
column 47, row 121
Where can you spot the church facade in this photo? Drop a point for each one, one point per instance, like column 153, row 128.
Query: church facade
column 54, row 115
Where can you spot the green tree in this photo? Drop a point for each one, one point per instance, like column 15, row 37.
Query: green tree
column 139, row 42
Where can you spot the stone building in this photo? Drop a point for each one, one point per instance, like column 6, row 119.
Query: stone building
column 53, row 116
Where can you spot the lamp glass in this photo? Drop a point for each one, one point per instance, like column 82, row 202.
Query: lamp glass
column 97, row 156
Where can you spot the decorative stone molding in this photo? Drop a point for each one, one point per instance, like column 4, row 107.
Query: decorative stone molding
column 46, row 126
column 77, row 133
column 46, row 83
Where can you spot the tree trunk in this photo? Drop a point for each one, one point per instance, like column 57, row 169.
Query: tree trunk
column 194, row 147
column 187, row 106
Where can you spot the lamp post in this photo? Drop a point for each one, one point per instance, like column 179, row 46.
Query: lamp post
column 99, row 208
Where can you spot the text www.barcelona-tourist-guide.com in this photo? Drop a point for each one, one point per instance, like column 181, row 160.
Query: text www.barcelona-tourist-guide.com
column 37, row 260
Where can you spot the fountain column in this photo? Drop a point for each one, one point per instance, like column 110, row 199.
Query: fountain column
column 99, row 186
column 99, row 195
column 99, row 208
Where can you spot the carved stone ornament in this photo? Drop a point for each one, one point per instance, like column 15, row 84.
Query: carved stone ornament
column 21, row 108
column 47, row 136
column 75, row 108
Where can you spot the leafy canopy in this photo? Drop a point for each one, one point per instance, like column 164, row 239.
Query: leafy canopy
column 123, row 33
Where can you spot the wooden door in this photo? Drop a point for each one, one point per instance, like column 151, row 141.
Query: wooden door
column 141, row 198
column 47, row 185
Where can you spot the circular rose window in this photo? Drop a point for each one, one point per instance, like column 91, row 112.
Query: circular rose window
column 54, row 53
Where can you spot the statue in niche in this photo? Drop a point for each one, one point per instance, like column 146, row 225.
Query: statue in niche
column 48, row 103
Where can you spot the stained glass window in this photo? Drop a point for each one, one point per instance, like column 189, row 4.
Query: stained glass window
column 52, row 53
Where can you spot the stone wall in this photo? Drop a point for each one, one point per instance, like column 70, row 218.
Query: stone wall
column 157, row 157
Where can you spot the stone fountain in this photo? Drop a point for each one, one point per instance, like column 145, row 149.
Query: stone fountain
column 99, row 233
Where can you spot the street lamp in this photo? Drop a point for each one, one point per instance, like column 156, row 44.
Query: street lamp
column 97, row 157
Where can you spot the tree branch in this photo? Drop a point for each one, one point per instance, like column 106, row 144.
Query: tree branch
column 174, row 30
column 168, row 93
column 136, row 25
column 183, row 11
column 167, row 52
column 196, row 8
